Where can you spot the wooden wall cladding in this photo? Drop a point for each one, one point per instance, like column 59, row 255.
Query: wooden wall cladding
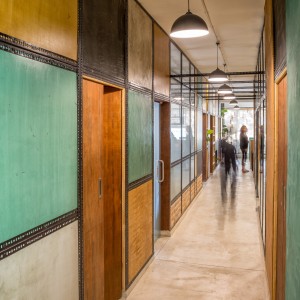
column 166, row 157
column 161, row 62
column 47, row 269
column 51, row 25
column 103, row 40
column 279, row 35
column 199, row 163
column 199, row 184
column 186, row 199
column 175, row 211
column 139, row 46
column 38, row 121
column 193, row 190
column 139, row 136
column 270, row 142
column 140, row 228
column 293, row 187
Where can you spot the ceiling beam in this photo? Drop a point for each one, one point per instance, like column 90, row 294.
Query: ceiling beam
column 228, row 74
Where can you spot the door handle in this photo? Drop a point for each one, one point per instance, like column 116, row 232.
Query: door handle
column 162, row 171
column 100, row 188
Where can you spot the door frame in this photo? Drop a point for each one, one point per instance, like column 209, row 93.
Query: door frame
column 275, row 199
column 123, row 158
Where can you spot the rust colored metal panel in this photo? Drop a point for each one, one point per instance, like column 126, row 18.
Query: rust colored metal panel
column 139, row 46
column 161, row 62
column 51, row 25
column 270, row 137
column 140, row 228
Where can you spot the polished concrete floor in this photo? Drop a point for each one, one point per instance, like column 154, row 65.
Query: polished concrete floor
column 215, row 252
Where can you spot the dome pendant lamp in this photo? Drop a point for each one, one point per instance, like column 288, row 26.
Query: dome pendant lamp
column 233, row 103
column 236, row 107
column 189, row 26
column 217, row 75
column 229, row 97
column 225, row 89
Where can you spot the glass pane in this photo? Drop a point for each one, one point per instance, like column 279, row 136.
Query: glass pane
column 185, row 95
column 175, row 181
column 175, row 132
column 185, row 69
column 199, row 105
column 186, row 166
column 192, row 85
column 192, row 168
column 175, row 60
column 175, row 89
column 192, row 130
column 186, row 131
column 199, row 130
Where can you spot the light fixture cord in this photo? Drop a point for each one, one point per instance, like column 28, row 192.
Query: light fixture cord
column 188, row 5
column 217, row 55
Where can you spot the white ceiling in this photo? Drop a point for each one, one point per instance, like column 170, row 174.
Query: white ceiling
column 236, row 24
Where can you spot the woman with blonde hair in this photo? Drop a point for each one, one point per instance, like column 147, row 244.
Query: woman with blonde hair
column 244, row 141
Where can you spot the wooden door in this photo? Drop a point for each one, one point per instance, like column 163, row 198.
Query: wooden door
column 111, row 160
column 102, row 191
column 212, row 145
column 281, row 188
column 93, row 232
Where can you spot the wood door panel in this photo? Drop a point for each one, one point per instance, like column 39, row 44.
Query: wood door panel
column 93, row 241
column 111, row 157
column 281, row 184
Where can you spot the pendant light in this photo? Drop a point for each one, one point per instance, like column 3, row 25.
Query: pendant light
column 225, row 89
column 189, row 26
column 229, row 97
column 217, row 75
column 233, row 102
column 236, row 107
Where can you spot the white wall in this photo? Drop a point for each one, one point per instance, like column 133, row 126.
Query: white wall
column 47, row 269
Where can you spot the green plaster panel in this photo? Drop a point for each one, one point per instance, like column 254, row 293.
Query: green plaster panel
column 293, row 186
column 139, row 136
column 38, row 138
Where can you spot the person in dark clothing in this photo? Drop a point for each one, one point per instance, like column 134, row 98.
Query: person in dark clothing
column 229, row 157
column 229, row 153
column 244, row 142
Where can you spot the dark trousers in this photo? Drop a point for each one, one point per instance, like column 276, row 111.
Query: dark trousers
column 244, row 156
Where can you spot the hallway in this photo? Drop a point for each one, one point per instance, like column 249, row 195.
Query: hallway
column 215, row 252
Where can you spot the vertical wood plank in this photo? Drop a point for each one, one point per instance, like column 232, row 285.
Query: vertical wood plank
column 111, row 161
column 165, row 145
column 93, row 241
column 281, row 188
column 270, row 140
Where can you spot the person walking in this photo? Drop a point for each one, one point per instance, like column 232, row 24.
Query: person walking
column 244, row 142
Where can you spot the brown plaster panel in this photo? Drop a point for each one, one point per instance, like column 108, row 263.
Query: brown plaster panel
column 161, row 62
column 139, row 46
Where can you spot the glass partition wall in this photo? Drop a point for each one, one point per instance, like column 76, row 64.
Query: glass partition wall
column 186, row 135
